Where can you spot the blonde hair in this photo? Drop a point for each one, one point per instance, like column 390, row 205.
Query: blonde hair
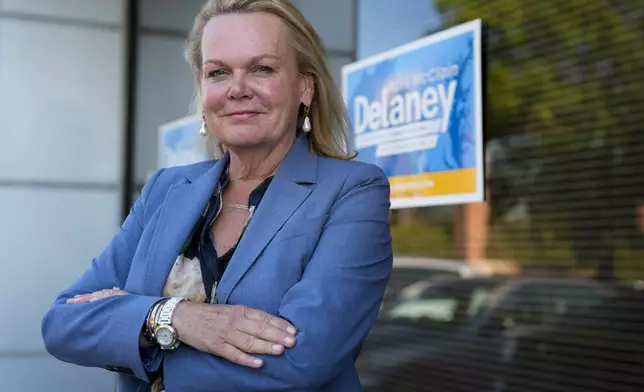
column 329, row 121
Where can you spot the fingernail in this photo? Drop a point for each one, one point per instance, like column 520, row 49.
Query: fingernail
column 289, row 340
column 93, row 299
column 77, row 295
column 291, row 330
column 277, row 348
column 257, row 362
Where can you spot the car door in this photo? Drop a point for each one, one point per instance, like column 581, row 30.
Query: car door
column 523, row 307
column 534, row 309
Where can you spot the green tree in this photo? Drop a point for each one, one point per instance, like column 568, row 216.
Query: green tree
column 566, row 75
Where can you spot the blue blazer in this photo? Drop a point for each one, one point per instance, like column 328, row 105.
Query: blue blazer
column 318, row 253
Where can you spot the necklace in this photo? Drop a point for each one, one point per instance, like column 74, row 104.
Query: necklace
column 239, row 207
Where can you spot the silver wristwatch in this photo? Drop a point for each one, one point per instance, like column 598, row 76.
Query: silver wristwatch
column 166, row 336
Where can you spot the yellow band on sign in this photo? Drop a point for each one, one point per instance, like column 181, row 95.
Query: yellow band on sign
column 433, row 184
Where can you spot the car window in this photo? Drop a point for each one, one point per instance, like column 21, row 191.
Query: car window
column 405, row 277
column 524, row 305
column 441, row 304
column 437, row 309
column 574, row 298
column 479, row 300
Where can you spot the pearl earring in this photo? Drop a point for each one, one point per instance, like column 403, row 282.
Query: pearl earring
column 306, row 127
column 203, row 131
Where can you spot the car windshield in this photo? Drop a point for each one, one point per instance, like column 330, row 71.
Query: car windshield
column 442, row 303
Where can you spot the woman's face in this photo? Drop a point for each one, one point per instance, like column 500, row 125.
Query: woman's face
column 251, row 87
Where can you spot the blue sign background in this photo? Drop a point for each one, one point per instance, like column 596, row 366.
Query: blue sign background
column 455, row 149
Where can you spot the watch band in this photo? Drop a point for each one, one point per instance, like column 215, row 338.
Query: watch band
column 167, row 310
column 165, row 335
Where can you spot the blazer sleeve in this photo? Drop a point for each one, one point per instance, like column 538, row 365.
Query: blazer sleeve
column 105, row 333
column 333, row 306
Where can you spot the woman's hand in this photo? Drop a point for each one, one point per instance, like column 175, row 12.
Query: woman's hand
column 232, row 332
column 95, row 296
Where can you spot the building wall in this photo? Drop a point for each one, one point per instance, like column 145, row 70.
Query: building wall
column 61, row 121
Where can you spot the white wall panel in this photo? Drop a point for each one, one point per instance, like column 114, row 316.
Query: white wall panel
column 49, row 238
column 29, row 374
column 333, row 19
column 165, row 93
column 106, row 11
column 169, row 14
column 61, row 102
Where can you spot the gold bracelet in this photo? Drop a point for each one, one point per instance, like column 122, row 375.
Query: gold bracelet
column 145, row 331
column 153, row 315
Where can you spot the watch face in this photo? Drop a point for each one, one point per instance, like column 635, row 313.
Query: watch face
column 165, row 336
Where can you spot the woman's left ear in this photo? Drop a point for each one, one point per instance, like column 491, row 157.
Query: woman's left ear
column 308, row 87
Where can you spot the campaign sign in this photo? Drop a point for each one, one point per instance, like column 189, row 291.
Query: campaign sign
column 180, row 142
column 416, row 112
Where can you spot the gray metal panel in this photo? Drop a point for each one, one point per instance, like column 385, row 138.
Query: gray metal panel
column 165, row 91
column 102, row 11
column 49, row 238
column 169, row 14
column 385, row 24
column 60, row 103
column 44, row 373
column 334, row 21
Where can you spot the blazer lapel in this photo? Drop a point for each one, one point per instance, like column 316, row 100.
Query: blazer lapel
column 287, row 191
column 179, row 214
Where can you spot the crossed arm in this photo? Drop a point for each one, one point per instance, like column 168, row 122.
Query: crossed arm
column 332, row 307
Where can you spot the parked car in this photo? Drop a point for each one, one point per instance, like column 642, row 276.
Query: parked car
column 603, row 351
column 454, row 334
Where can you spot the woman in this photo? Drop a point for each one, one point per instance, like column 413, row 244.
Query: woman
column 262, row 270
